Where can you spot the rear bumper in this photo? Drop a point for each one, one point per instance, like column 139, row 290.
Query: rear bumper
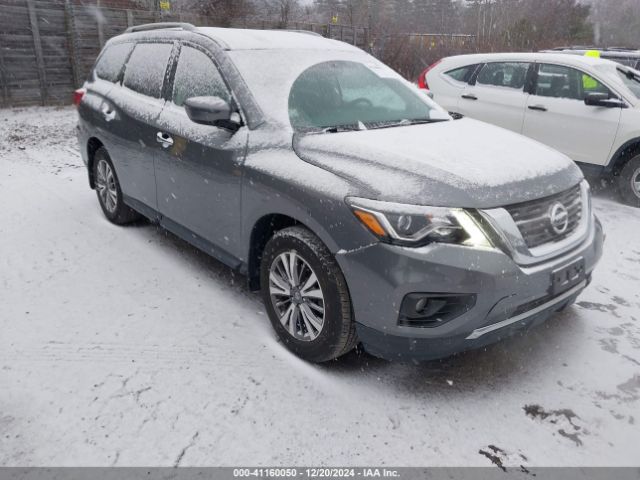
column 510, row 298
column 83, row 141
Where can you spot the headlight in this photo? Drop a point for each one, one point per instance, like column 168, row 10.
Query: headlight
column 414, row 225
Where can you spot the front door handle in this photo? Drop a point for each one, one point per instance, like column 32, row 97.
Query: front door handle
column 469, row 96
column 539, row 108
column 164, row 139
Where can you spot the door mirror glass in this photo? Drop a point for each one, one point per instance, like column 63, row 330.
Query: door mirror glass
column 597, row 99
column 210, row 111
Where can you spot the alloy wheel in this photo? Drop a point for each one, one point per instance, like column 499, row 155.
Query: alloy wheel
column 635, row 182
column 106, row 186
column 296, row 296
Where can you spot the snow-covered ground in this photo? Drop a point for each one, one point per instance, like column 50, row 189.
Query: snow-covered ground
column 126, row 346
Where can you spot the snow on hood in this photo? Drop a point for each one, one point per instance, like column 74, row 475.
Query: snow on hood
column 461, row 163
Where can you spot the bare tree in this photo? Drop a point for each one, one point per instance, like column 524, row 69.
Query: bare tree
column 224, row 11
column 528, row 24
column 287, row 9
column 617, row 23
column 356, row 12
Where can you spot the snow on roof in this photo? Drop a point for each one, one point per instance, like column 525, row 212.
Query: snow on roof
column 566, row 58
column 246, row 39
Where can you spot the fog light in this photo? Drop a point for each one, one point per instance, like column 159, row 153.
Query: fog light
column 420, row 304
column 428, row 310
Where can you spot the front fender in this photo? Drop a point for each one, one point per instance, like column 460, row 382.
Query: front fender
column 279, row 182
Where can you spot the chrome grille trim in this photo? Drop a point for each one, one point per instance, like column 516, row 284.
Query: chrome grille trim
column 513, row 242
column 533, row 220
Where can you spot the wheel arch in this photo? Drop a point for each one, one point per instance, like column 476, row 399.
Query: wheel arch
column 626, row 152
column 263, row 229
column 93, row 144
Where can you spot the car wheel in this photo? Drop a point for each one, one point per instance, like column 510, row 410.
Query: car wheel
column 629, row 182
column 108, row 190
column 306, row 296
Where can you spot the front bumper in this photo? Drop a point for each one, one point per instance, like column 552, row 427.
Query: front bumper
column 381, row 275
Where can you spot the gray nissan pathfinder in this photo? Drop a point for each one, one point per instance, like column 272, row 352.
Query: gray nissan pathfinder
column 359, row 208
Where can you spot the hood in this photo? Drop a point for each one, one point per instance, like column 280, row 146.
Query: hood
column 458, row 163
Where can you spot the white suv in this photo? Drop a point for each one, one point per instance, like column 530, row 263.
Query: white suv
column 587, row 108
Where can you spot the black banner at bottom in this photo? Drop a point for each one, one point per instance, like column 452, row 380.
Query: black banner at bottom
column 311, row 473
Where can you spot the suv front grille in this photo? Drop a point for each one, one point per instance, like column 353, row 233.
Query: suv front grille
column 534, row 218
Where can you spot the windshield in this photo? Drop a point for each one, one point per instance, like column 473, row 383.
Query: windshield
column 354, row 95
column 285, row 82
column 631, row 80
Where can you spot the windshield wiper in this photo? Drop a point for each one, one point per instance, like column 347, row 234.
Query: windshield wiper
column 376, row 125
column 405, row 122
column 629, row 74
column 344, row 128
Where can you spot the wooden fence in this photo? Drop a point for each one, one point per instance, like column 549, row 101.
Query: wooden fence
column 47, row 47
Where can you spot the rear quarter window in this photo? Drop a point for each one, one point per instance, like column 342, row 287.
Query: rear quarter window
column 146, row 68
column 461, row 74
column 112, row 60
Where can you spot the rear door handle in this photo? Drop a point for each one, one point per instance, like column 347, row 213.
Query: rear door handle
column 164, row 139
column 539, row 108
column 469, row 96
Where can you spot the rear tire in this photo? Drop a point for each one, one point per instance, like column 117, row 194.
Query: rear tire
column 629, row 182
column 108, row 190
column 306, row 296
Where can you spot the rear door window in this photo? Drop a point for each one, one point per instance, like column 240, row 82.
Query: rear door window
column 197, row 76
column 504, row 74
column 112, row 60
column 146, row 68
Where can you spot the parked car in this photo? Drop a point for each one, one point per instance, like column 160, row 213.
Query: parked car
column 587, row 108
column 629, row 57
column 359, row 208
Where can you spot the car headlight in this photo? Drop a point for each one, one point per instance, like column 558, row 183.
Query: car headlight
column 415, row 226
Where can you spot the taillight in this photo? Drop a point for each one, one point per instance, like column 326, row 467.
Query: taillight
column 422, row 80
column 77, row 96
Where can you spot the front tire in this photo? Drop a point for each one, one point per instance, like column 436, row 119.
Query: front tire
column 108, row 190
column 306, row 296
column 629, row 182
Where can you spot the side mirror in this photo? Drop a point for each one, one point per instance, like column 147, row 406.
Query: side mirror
column 211, row 111
column 596, row 99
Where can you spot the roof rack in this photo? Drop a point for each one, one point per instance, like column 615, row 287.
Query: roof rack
column 159, row 26
column 576, row 47
column 601, row 49
column 621, row 49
